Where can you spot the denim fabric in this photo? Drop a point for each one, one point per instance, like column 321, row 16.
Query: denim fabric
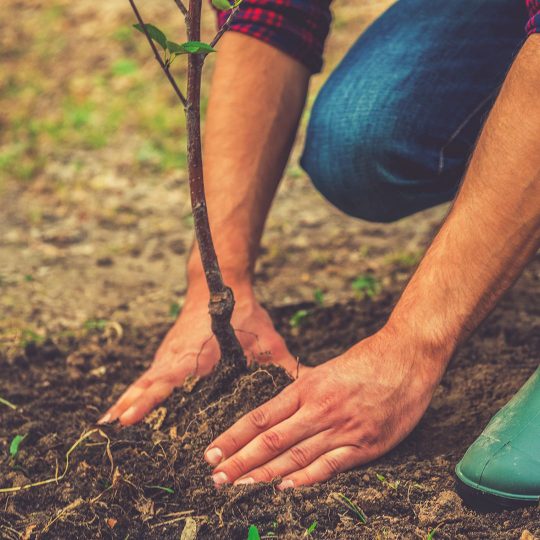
column 392, row 129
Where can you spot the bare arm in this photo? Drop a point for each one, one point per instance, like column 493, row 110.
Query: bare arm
column 257, row 97
column 357, row 406
column 493, row 228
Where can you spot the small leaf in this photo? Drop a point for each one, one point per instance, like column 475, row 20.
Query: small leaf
column 222, row 5
column 310, row 529
column 253, row 533
column 176, row 48
column 155, row 33
column 352, row 506
column 15, row 443
column 174, row 310
column 197, row 47
column 366, row 284
column 318, row 296
column 162, row 488
column 298, row 318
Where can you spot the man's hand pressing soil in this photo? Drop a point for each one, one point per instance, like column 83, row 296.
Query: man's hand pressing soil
column 190, row 349
column 341, row 414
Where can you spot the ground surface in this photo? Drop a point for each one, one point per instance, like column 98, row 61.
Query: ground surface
column 62, row 388
column 93, row 233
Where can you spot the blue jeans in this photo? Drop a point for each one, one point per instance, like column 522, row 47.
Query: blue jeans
column 393, row 128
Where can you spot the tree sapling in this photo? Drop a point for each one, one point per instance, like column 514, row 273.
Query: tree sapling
column 221, row 303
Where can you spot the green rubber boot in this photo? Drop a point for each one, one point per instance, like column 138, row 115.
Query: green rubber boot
column 501, row 469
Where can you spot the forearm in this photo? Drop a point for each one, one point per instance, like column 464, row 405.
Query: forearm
column 256, row 100
column 493, row 227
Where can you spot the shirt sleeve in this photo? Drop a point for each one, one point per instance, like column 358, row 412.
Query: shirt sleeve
column 533, row 24
column 296, row 27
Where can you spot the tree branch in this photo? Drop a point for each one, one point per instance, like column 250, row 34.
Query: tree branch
column 181, row 7
column 225, row 27
column 158, row 56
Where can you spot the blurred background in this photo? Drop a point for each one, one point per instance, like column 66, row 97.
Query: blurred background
column 95, row 220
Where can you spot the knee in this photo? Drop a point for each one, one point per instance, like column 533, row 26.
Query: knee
column 355, row 159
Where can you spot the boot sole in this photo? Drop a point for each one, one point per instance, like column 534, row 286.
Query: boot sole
column 488, row 500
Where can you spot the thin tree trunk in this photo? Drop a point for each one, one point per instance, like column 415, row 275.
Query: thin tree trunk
column 221, row 296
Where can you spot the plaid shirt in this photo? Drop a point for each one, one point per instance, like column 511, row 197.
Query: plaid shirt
column 299, row 27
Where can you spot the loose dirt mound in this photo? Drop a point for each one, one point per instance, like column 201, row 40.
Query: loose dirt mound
column 61, row 390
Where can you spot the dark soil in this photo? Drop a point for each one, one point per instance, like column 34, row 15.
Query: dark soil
column 62, row 388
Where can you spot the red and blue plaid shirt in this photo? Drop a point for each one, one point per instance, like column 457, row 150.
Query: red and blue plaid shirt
column 300, row 27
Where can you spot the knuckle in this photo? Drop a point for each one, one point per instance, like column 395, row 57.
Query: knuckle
column 332, row 464
column 325, row 405
column 237, row 466
column 370, row 434
column 229, row 442
column 308, row 478
column 299, row 456
column 272, row 440
column 259, row 418
column 265, row 474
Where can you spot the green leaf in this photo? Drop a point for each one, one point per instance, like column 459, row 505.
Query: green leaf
column 174, row 310
column 176, row 48
column 253, row 533
column 222, row 5
column 155, row 33
column 15, row 443
column 318, row 296
column 352, row 506
column 197, row 47
column 298, row 318
column 366, row 284
column 310, row 529
column 162, row 488
column 95, row 324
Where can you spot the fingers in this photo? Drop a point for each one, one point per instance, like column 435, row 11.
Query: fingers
column 324, row 467
column 155, row 394
column 126, row 400
column 252, row 424
column 265, row 447
column 144, row 394
column 294, row 459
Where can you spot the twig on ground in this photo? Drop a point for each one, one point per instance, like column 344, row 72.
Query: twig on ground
column 57, row 478
column 8, row 404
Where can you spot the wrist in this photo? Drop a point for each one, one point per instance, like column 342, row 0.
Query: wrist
column 429, row 351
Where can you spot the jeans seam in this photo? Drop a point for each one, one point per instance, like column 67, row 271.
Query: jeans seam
column 460, row 128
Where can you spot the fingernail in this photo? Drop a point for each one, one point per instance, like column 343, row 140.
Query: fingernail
column 286, row 484
column 128, row 414
column 105, row 419
column 213, row 456
column 242, row 481
column 220, row 478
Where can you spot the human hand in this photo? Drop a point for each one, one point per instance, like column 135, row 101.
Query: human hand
column 190, row 348
column 339, row 415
